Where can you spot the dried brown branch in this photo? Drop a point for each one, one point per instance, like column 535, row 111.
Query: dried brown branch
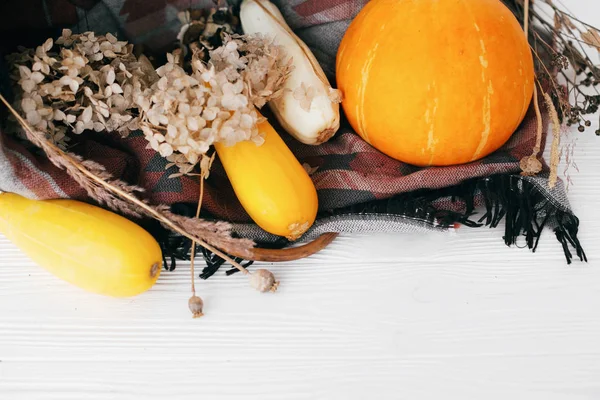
column 555, row 149
column 531, row 165
column 569, row 97
column 567, row 41
column 121, row 197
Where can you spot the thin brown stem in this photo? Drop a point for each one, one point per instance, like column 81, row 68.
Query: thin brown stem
column 193, row 253
column 566, row 45
column 538, row 114
column 573, row 18
column 555, row 148
column 554, row 86
column 526, row 18
column 561, row 38
column 540, row 122
column 530, row 165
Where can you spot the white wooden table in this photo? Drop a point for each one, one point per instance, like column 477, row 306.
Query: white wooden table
column 436, row 316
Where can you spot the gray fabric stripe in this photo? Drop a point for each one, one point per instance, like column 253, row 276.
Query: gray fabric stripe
column 8, row 179
column 351, row 223
column 44, row 175
column 557, row 195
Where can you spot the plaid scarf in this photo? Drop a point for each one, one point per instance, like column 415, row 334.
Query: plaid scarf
column 360, row 189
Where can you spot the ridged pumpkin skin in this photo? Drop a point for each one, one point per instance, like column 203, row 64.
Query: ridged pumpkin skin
column 271, row 185
column 435, row 82
column 87, row 246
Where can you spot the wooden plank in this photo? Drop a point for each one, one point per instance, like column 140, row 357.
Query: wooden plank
column 439, row 316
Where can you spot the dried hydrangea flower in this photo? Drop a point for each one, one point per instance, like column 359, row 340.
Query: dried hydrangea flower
column 305, row 96
column 185, row 112
column 309, row 169
column 83, row 82
column 29, row 80
column 79, row 82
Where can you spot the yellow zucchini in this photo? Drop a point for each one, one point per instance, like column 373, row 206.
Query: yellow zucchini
column 85, row 245
column 271, row 185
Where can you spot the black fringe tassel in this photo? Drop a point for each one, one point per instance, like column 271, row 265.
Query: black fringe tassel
column 513, row 199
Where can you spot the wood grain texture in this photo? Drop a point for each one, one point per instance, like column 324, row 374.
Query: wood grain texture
column 432, row 316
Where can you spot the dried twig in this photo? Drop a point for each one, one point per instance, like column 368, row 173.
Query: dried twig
column 569, row 37
column 195, row 303
column 530, row 165
column 120, row 196
column 193, row 252
column 555, row 149
column 563, row 38
column 205, row 166
column 526, row 18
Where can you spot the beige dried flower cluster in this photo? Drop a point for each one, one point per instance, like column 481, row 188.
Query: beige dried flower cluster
column 185, row 112
column 80, row 82
column 87, row 82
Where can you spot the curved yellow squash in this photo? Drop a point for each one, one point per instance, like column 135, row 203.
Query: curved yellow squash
column 272, row 186
column 87, row 246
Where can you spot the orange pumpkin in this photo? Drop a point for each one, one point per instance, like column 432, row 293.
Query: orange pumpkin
column 435, row 82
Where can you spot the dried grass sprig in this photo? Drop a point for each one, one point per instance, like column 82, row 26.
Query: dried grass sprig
column 561, row 41
column 555, row 148
column 558, row 42
column 121, row 197
column 205, row 165
column 530, row 165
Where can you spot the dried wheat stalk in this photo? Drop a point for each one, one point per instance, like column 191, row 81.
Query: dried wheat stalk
column 555, row 149
column 530, row 165
column 120, row 196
